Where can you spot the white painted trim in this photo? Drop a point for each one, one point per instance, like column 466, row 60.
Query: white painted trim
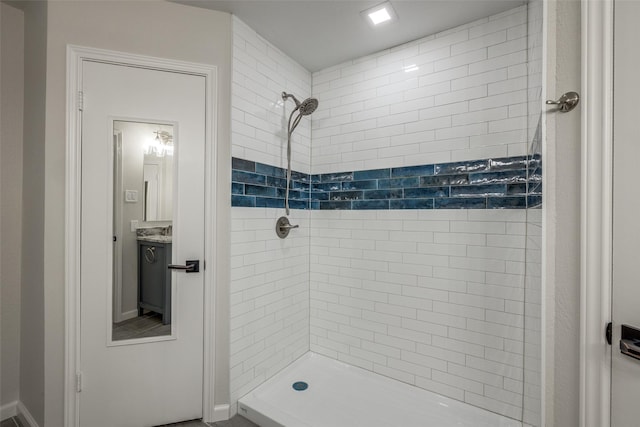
column 118, row 315
column 221, row 413
column 131, row 314
column 211, row 236
column 596, row 218
column 549, row 214
column 75, row 56
column 72, row 240
column 8, row 410
column 25, row 415
column 545, row 302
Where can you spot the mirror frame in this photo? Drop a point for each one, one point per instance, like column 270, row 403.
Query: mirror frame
column 115, row 294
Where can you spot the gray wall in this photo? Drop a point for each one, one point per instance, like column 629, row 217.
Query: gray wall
column 32, row 326
column 191, row 34
column 562, row 216
column 11, row 106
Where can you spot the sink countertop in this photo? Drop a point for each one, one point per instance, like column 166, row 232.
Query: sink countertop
column 156, row 238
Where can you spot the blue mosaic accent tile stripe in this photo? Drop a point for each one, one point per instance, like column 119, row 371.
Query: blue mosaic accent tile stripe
column 503, row 183
column 255, row 184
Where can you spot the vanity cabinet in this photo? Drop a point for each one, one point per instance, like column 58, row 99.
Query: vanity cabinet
column 154, row 278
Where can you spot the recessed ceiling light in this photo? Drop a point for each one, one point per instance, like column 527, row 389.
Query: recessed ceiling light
column 379, row 14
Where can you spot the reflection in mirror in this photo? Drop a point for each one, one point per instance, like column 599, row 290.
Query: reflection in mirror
column 157, row 174
column 142, row 229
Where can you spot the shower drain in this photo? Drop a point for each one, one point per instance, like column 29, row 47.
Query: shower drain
column 300, row 386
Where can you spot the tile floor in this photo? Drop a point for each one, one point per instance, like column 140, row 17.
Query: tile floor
column 236, row 421
column 11, row 422
column 147, row 325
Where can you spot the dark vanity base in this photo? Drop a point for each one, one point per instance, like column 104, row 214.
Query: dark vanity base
column 154, row 279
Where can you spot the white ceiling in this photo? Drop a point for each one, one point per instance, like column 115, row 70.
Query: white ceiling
column 322, row 33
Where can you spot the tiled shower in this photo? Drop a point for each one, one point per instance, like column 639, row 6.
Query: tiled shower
column 417, row 187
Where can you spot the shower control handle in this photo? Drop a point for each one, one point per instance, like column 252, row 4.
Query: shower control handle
column 289, row 226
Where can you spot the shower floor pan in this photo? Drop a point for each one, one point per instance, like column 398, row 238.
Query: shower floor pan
column 340, row 395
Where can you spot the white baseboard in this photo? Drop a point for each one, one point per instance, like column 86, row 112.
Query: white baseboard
column 221, row 413
column 25, row 415
column 8, row 410
column 131, row 314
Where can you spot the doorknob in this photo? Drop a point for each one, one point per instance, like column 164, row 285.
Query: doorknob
column 191, row 266
column 630, row 342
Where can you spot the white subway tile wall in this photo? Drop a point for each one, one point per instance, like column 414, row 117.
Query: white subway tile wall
column 431, row 298
column 261, row 72
column 269, row 296
column 269, row 276
column 458, row 95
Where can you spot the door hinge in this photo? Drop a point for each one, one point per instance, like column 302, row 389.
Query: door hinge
column 608, row 332
column 80, row 100
column 78, row 382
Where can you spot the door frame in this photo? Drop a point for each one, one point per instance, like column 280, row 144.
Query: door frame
column 596, row 206
column 76, row 55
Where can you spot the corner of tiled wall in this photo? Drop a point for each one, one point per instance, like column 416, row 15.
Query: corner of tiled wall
column 269, row 275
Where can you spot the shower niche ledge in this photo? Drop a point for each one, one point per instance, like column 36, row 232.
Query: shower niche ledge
column 341, row 395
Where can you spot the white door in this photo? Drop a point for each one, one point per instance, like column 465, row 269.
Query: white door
column 625, row 409
column 156, row 380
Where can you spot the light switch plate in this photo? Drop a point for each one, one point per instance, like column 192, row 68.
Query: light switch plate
column 134, row 225
column 131, row 196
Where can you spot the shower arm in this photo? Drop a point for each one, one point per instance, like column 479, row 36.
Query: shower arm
column 286, row 95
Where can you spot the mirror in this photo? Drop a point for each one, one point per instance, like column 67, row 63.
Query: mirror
column 142, row 229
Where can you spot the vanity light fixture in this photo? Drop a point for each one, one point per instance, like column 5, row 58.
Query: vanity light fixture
column 161, row 145
column 379, row 14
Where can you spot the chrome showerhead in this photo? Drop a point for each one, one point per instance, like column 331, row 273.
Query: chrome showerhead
column 305, row 107
column 308, row 106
